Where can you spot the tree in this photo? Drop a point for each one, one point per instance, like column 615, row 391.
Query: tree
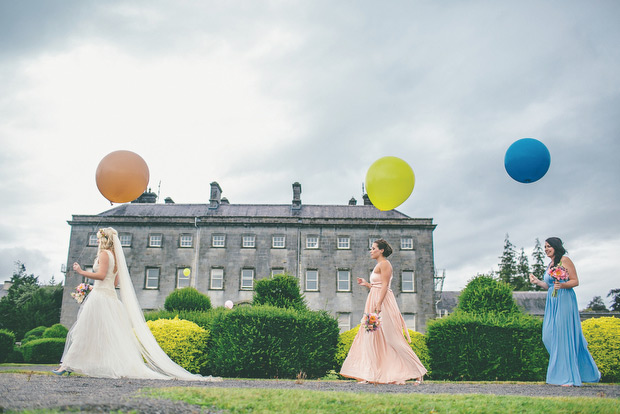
column 597, row 305
column 508, row 263
column 521, row 280
column 615, row 297
column 538, row 264
column 281, row 291
column 483, row 294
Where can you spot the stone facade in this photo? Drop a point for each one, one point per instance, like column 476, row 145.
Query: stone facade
column 226, row 247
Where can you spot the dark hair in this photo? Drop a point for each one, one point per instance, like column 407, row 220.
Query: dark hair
column 385, row 246
column 558, row 249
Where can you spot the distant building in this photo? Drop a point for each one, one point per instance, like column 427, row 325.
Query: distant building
column 531, row 302
column 4, row 289
column 227, row 247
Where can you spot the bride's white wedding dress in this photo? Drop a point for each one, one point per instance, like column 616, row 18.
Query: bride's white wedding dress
column 110, row 338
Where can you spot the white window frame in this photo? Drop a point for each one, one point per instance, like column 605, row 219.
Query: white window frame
column 248, row 241
column 340, row 273
column 406, row 243
column 277, row 271
column 404, row 279
column 181, row 278
column 344, row 321
column 247, row 275
column 186, row 241
column 411, row 320
column 315, row 279
column 148, row 277
column 217, row 274
column 92, row 239
column 123, row 239
column 343, row 243
column 278, row 242
column 156, row 240
column 312, row 242
column 218, row 240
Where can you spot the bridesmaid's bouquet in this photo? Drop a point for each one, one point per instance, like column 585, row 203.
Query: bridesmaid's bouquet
column 371, row 321
column 560, row 274
column 81, row 291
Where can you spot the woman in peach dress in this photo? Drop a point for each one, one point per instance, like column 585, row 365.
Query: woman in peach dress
column 382, row 356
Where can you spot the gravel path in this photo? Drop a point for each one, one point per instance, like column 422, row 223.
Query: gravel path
column 36, row 390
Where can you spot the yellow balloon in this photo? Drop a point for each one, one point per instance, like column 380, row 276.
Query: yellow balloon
column 389, row 182
column 186, row 271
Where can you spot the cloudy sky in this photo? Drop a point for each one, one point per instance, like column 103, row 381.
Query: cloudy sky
column 257, row 95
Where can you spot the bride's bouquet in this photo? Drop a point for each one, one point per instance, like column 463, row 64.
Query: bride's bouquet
column 371, row 321
column 81, row 291
column 560, row 274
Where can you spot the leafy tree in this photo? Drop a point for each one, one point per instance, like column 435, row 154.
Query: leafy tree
column 508, row 263
column 521, row 281
column 615, row 297
column 538, row 264
column 484, row 295
column 597, row 305
column 281, row 291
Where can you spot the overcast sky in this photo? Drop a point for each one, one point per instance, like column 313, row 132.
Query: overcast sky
column 259, row 94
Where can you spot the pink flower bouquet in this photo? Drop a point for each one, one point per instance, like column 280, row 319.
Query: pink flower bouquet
column 81, row 291
column 560, row 274
column 371, row 321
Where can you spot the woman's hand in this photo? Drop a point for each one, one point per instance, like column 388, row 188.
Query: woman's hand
column 77, row 268
column 557, row 285
column 378, row 309
column 534, row 279
column 362, row 282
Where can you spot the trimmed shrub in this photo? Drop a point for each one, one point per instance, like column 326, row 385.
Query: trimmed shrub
column 270, row 342
column 55, row 331
column 7, row 340
column 183, row 341
column 15, row 356
column 281, row 291
column 491, row 347
column 418, row 345
column 35, row 333
column 187, row 299
column 603, row 336
column 43, row 350
column 483, row 294
column 204, row 319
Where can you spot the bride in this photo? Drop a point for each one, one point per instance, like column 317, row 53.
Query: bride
column 110, row 338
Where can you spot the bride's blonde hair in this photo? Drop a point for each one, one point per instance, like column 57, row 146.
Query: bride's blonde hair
column 106, row 238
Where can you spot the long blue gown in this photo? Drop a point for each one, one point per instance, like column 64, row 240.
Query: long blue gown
column 570, row 362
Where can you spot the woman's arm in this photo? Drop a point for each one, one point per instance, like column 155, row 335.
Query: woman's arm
column 362, row 282
column 573, row 280
column 538, row 282
column 104, row 262
column 386, row 275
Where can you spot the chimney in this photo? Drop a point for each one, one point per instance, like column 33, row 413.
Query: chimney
column 367, row 201
column 168, row 200
column 296, row 196
column 352, row 201
column 225, row 201
column 146, row 197
column 216, row 193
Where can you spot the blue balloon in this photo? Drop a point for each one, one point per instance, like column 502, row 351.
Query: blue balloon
column 527, row 160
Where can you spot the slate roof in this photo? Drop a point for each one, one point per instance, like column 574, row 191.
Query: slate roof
column 532, row 302
column 252, row 210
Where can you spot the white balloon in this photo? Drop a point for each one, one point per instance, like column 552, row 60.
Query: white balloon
column 229, row 304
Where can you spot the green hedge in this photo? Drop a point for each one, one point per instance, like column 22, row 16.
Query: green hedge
column 270, row 342
column 281, row 291
column 43, row 351
column 55, row 331
column 34, row 333
column 603, row 336
column 204, row 319
column 491, row 347
column 7, row 340
column 187, row 299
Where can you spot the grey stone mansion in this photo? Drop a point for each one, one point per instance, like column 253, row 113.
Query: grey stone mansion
column 227, row 247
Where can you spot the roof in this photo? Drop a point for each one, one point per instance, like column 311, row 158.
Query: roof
column 252, row 210
column 532, row 302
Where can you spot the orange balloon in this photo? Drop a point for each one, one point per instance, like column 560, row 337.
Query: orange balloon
column 122, row 176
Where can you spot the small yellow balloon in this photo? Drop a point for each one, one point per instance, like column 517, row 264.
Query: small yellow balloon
column 186, row 271
column 389, row 182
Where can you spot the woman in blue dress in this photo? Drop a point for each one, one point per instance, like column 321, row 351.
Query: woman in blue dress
column 570, row 362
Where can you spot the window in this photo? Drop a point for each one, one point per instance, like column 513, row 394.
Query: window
column 406, row 243
column 371, row 241
column 344, row 280
column 410, row 320
column 247, row 279
column 92, row 239
column 407, row 282
column 344, row 242
column 312, row 280
column 182, row 280
column 125, row 239
column 312, row 242
column 277, row 271
column 84, row 278
column 186, row 240
column 344, row 321
column 152, row 278
column 155, row 240
column 218, row 240
column 248, row 241
column 278, row 242
column 217, row 278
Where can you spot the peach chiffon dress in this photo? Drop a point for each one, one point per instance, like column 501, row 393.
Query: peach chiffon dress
column 382, row 356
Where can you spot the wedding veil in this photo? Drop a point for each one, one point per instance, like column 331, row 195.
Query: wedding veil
column 154, row 356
